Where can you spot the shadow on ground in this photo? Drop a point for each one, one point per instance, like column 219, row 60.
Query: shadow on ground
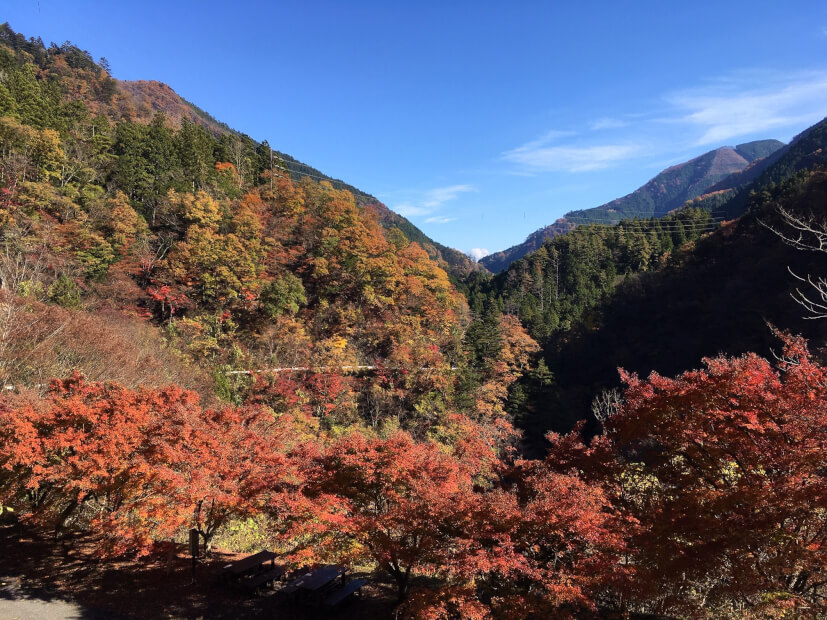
column 43, row 578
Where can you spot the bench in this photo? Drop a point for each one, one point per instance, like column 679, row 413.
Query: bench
column 252, row 564
column 314, row 580
column 350, row 588
column 313, row 585
column 254, row 583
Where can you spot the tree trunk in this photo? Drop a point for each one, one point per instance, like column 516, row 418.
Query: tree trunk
column 402, row 582
column 64, row 516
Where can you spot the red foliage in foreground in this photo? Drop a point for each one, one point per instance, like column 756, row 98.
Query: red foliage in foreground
column 704, row 496
column 537, row 545
column 724, row 468
column 135, row 465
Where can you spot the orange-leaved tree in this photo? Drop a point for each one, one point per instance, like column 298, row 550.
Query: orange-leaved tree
column 135, row 466
column 543, row 545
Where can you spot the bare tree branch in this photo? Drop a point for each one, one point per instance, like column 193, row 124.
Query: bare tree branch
column 817, row 309
column 606, row 404
column 810, row 235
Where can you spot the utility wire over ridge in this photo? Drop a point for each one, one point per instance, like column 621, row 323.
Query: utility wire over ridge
column 345, row 369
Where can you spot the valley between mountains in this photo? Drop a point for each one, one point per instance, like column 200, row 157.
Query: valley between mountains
column 200, row 335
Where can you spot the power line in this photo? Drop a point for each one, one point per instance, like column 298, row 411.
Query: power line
column 322, row 369
column 635, row 219
column 656, row 222
column 575, row 219
column 657, row 225
column 307, row 174
column 628, row 224
column 688, row 227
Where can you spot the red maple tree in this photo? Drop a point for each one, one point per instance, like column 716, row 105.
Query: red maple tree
column 723, row 467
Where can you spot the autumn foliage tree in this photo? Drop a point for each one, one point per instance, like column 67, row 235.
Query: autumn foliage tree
column 393, row 501
column 723, row 467
column 135, row 466
column 545, row 545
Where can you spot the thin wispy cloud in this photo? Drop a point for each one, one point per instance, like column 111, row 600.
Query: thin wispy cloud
column 751, row 103
column 521, row 173
column 436, row 197
column 439, row 219
column 407, row 210
column 431, row 201
column 747, row 104
column 570, row 158
column 607, row 123
column 550, row 137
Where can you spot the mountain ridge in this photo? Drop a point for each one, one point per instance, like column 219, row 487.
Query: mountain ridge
column 668, row 190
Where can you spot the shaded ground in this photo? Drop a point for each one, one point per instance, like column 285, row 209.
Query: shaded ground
column 40, row 578
column 25, row 604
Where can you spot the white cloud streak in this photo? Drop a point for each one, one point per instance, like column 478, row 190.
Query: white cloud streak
column 570, row 158
column 431, row 201
column 547, row 138
column 478, row 253
column 407, row 210
column 747, row 104
column 607, row 123
column 436, row 197
column 737, row 107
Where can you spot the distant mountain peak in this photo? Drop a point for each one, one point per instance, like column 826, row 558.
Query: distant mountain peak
column 667, row 191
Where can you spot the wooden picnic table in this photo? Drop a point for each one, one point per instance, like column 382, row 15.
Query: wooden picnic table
column 319, row 587
column 251, row 563
column 314, row 580
column 262, row 579
column 349, row 589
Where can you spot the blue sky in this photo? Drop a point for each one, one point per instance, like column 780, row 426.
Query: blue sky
column 479, row 121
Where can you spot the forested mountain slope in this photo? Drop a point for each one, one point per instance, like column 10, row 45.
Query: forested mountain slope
column 804, row 152
column 71, row 70
column 125, row 224
column 719, row 294
column 665, row 192
column 558, row 285
column 551, row 291
column 660, row 293
column 499, row 261
column 676, row 185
